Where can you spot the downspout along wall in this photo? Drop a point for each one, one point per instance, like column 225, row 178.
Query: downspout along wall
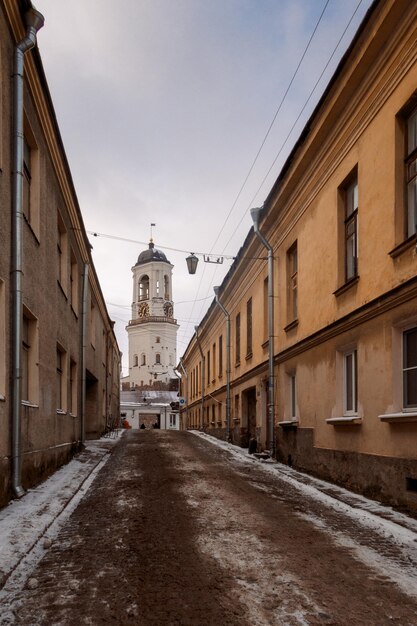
column 34, row 21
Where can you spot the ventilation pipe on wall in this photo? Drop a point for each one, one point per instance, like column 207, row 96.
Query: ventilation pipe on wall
column 34, row 21
column 226, row 314
column 255, row 214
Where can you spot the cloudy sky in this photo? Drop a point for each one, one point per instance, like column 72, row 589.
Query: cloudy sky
column 163, row 106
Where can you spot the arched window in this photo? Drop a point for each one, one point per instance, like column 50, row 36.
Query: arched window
column 144, row 288
column 157, row 288
column 135, row 360
column 166, row 288
column 143, row 359
column 158, row 358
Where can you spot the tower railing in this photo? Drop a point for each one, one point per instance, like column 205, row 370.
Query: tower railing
column 152, row 318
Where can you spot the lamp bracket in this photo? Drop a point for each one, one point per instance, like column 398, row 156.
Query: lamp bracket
column 211, row 258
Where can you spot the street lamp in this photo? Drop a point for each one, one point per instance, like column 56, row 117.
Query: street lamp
column 255, row 214
column 192, row 262
column 227, row 316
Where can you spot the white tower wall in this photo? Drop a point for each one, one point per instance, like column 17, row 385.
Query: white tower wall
column 152, row 331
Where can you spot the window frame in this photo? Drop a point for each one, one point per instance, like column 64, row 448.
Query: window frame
column 409, row 159
column 407, row 406
column 351, row 226
column 292, row 282
column 249, row 329
column 350, row 399
column 61, row 379
column 220, row 356
column 237, row 339
column 30, row 344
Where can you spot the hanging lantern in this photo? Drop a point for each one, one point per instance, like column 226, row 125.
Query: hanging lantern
column 192, row 262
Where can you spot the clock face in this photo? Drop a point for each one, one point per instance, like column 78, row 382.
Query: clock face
column 143, row 310
column 168, row 309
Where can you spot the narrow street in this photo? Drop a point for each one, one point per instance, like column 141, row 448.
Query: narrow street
column 178, row 531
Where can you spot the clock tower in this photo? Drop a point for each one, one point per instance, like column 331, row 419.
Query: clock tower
column 152, row 330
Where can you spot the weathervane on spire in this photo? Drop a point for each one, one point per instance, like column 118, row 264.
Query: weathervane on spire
column 151, row 241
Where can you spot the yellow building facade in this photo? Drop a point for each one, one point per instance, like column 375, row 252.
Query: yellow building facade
column 341, row 219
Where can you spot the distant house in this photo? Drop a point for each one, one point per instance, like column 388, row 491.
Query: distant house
column 341, row 221
column 151, row 409
column 59, row 359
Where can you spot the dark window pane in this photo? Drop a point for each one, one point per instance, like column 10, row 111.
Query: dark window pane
column 410, row 348
column 410, row 388
column 349, row 382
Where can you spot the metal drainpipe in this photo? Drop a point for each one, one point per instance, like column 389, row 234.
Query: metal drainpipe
column 255, row 213
column 181, row 364
column 203, row 368
column 34, row 21
column 84, row 350
column 216, row 291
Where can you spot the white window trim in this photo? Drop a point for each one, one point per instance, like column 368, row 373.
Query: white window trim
column 354, row 353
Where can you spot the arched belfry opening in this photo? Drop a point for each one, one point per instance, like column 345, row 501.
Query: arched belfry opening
column 144, row 288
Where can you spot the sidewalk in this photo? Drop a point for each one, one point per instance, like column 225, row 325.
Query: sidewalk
column 42, row 511
column 328, row 493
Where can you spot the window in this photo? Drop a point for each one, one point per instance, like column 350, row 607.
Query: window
column 157, row 358
column 351, row 228
column 292, row 282
column 208, row 367
column 143, row 359
column 214, row 361
column 411, row 173
column 157, row 288
column 29, row 385
column 135, row 360
column 27, row 179
column 30, row 179
column 144, row 288
column 166, row 287
column 237, row 338
column 62, row 245
column 73, row 388
column 249, row 328
column 172, row 420
column 61, row 364
column 25, row 358
column 92, row 324
column 410, row 368
column 213, row 413
column 236, row 406
column 350, row 388
column 220, row 356
column 266, row 309
column 293, row 396
column 74, row 283
column 157, row 339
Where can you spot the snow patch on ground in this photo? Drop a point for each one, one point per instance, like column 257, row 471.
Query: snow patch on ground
column 26, row 523
column 394, row 528
column 260, row 574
